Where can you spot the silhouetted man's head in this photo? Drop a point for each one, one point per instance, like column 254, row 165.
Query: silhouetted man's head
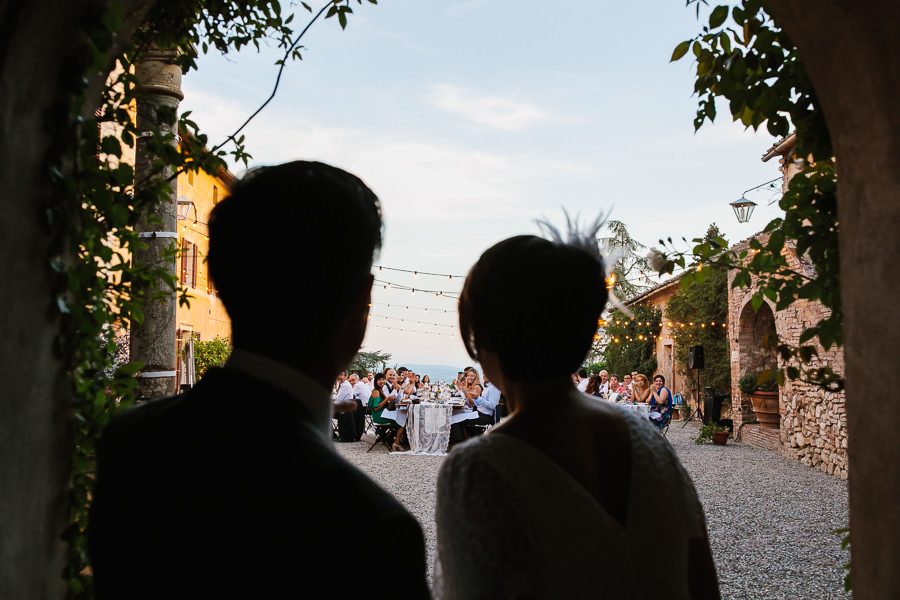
column 292, row 273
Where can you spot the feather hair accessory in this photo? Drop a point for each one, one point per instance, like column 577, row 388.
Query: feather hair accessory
column 587, row 240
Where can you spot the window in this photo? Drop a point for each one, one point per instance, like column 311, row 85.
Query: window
column 188, row 263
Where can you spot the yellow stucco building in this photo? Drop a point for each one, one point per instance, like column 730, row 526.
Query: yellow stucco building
column 205, row 318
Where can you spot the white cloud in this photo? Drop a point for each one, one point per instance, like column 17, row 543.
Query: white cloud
column 495, row 112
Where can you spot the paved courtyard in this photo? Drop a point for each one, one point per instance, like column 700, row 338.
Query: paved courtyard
column 770, row 519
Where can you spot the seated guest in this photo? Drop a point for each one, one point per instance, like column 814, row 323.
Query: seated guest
column 426, row 380
column 395, row 394
column 361, row 397
column 660, row 402
column 486, row 404
column 378, row 402
column 345, row 418
column 593, row 386
column 603, row 388
column 581, row 379
column 469, row 388
column 627, row 382
column 617, row 391
column 640, row 389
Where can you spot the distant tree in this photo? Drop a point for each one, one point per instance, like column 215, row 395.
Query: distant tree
column 631, row 341
column 365, row 362
column 631, row 265
column 704, row 302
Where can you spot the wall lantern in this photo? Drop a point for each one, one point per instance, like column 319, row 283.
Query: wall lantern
column 743, row 208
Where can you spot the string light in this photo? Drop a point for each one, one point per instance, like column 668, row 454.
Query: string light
column 416, row 272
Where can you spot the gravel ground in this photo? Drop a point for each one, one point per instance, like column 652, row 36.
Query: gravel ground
column 770, row 518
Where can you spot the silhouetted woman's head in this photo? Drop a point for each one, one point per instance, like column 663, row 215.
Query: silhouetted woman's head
column 535, row 304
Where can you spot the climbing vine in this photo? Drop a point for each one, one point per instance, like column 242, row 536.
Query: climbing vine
column 743, row 56
column 96, row 205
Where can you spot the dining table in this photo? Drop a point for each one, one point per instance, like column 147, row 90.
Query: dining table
column 428, row 425
column 641, row 408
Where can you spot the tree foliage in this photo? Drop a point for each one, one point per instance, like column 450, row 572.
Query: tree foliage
column 704, row 303
column 369, row 362
column 211, row 353
column 743, row 56
column 630, row 263
column 631, row 341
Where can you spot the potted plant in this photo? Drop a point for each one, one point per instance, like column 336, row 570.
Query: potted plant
column 713, row 432
column 685, row 409
column 763, row 391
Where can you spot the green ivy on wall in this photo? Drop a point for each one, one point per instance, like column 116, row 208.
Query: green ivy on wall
column 96, row 206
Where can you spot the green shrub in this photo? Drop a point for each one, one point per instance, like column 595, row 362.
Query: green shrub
column 212, row 353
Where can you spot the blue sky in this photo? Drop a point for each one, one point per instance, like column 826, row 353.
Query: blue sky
column 472, row 119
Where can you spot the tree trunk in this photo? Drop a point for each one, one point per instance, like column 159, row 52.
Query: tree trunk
column 849, row 50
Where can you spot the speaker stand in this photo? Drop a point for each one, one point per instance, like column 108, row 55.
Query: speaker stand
column 698, row 412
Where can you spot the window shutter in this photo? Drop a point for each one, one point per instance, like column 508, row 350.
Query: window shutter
column 194, row 265
column 184, row 246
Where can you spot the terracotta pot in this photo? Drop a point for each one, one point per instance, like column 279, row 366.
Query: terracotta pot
column 720, row 438
column 765, row 405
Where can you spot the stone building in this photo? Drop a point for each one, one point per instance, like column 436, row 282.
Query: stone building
column 813, row 423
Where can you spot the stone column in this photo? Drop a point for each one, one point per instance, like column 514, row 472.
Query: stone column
column 153, row 342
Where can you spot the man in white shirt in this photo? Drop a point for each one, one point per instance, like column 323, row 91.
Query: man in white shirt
column 582, row 380
column 361, row 395
column 345, row 419
column 603, row 388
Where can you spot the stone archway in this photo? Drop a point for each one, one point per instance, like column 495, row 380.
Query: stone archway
column 756, row 352
column 849, row 54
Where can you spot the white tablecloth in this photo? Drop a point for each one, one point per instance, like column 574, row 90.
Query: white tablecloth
column 644, row 409
column 429, row 428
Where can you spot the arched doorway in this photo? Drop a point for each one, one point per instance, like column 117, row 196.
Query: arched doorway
column 757, row 342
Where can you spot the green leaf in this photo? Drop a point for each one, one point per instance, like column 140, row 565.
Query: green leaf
column 718, row 16
column 756, row 301
column 129, row 369
column 680, row 50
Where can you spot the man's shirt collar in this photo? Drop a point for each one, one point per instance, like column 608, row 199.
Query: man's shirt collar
column 311, row 394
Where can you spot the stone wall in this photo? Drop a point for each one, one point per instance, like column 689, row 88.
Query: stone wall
column 813, row 421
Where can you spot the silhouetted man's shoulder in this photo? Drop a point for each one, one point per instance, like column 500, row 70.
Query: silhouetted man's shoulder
column 229, row 487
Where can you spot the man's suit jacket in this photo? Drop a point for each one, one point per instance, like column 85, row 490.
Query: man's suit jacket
column 229, row 491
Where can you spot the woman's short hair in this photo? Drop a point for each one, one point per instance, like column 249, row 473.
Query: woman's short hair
column 658, row 376
column 533, row 302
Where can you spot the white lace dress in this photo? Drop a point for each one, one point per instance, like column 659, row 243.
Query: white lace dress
column 513, row 524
